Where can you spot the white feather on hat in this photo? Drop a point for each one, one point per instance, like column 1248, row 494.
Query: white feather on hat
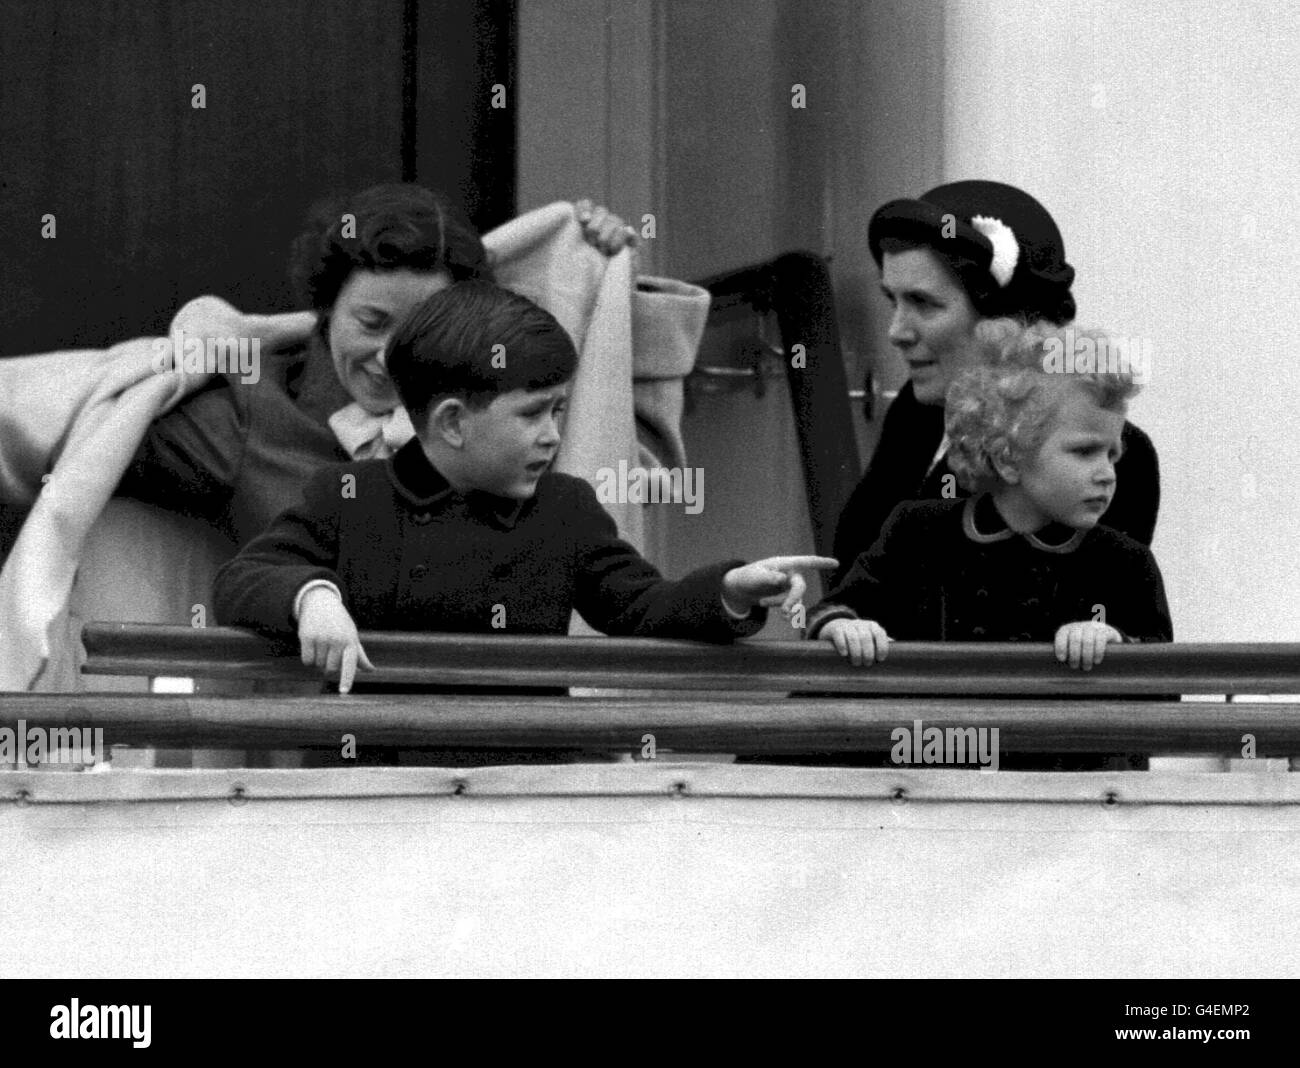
column 1006, row 249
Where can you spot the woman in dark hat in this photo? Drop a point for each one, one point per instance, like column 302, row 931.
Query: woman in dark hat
column 963, row 253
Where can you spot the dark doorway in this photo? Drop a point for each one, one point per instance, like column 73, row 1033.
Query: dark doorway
column 155, row 201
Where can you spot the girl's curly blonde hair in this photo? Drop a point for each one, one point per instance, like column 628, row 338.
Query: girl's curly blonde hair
column 1000, row 411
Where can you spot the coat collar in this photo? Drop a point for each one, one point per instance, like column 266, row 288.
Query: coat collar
column 984, row 524
column 423, row 487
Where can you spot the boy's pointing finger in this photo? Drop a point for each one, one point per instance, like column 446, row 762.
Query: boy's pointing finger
column 807, row 563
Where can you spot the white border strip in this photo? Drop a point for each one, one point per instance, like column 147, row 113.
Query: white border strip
column 658, row 778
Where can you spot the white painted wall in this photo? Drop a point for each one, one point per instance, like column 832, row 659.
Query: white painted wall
column 603, row 870
column 1163, row 137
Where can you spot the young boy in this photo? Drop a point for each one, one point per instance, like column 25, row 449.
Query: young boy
column 466, row 528
column 1025, row 559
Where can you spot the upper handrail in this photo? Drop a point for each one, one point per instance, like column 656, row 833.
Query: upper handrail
column 507, row 660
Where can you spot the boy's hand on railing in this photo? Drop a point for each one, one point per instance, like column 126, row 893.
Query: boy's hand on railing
column 863, row 641
column 602, row 229
column 1084, row 644
column 776, row 580
column 329, row 637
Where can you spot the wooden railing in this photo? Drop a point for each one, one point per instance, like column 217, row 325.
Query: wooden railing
column 953, row 668
column 741, row 704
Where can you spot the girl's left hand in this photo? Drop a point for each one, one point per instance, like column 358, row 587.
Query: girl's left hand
column 1084, row 644
column 602, row 229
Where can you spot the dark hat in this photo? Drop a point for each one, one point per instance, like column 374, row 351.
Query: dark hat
column 999, row 227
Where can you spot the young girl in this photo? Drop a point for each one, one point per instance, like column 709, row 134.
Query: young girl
column 1025, row 558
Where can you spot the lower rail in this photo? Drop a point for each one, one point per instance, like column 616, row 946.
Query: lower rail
column 759, row 725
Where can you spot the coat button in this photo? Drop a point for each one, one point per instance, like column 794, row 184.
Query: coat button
column 419, row 572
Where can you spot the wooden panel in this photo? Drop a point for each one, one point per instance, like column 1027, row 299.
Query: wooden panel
column 564, row 103
column 589, row 85
column 725, row 105
column 156, row 201
column 462, row 144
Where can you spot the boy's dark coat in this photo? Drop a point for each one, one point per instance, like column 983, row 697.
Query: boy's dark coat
column 410, row 553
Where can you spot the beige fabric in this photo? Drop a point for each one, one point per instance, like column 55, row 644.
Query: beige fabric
column 79, row 416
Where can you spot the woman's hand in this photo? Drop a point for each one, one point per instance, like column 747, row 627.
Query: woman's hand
column 1084, row 644
column 602, row 229
column 776, row 580
column 329, row 637
column 208, row 316
column 863, row 641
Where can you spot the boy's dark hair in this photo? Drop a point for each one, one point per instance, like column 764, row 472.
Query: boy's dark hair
column 475, row 340
column 397, row 226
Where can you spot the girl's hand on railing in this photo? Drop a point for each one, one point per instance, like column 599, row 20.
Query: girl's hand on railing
column 863, row 641
column 329, row 637
column 1084, row 644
